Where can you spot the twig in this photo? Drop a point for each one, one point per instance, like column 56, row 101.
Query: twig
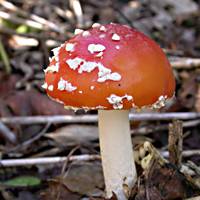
column 67, row 14
column 186, row 153
column 18, row 20
column 45, row 160
column 76, row 6
column 194, row 167
column 150, row 129
column 173, row 52
column 57, row 160
column 184, row 63
column 56, row 119
column 31, row 140
column 34, row 17
column 175, row 142
column 68, row 160
column 7, row 133
column 8, row 31
column 5, row 58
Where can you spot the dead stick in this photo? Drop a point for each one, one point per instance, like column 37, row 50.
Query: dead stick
column 76, row 7
column 7, row 133
column 34, row 17
column 56, row 119
column 184, row 63
column 185, row 153
column 175, row 142
column 8, row 31
column 145, row 130
column 17, row 20
column 45, row 160
column 57, row 160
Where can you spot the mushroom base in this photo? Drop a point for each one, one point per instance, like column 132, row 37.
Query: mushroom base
column 116, row 152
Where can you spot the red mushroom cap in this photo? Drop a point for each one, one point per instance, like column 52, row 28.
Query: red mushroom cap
column 109, row 67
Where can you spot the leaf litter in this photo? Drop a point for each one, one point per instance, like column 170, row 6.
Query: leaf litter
column 174, row 24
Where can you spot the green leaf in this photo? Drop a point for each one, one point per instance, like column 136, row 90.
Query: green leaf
column 22, row 29
column 22, row 181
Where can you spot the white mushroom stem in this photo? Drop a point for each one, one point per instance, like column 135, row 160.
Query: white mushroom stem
column 116, row 152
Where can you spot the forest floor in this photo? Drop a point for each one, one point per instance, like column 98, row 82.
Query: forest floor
column 44, row 155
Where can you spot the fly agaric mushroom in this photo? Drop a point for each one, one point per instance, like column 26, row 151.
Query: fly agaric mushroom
column 111, row 68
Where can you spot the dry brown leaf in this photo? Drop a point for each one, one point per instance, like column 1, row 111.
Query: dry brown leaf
column 74, row 134
column 8, row 83
column 85, row 178
column 22, row 103
column 58, row 191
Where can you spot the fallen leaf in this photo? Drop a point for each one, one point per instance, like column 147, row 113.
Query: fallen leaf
column 8, row 83
column 85, row 178
column 24, row 103
column 58, row 191
column 74, row 134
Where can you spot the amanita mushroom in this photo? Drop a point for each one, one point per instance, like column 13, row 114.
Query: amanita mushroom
column 111, row 68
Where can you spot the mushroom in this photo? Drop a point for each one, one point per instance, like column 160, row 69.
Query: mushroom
column 111, row 68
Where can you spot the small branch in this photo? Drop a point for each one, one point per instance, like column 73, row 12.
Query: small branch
column 10, row 6
column 56, row 119
column 8, row 31
column 64, row 167
column 45, row 160
column 193, row 166
column 86, row 157
column 173, row 52
column 66, row 14
column 186, row 153
column 7, row 134
column 184, row 63
column 76, row 6
column 17, row 20
column 145, row 130
column 32, row 140
column 175, row 142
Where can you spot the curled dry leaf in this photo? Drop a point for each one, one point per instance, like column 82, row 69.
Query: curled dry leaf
column 74, row 134
column 22, row 103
